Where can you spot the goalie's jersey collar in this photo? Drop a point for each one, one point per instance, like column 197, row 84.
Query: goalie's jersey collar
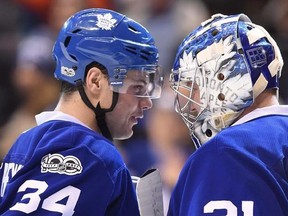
column 265, row 111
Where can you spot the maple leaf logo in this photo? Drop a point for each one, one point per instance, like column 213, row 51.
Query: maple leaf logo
column 106, row 21
column 187, row 61
column 188, row 66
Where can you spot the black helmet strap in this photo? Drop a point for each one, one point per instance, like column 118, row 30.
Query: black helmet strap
column 99, row 112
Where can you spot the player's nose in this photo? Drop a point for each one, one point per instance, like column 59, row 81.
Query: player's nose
column 145, row 103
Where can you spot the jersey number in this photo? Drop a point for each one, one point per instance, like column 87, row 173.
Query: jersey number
column 247, row 207
column 32, row 200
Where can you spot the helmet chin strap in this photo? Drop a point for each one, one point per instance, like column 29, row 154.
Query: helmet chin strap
column 99, row 112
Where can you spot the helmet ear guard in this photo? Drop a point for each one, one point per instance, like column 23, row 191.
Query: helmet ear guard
column 231, row 61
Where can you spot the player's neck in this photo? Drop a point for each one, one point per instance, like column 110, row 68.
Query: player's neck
column 74, row 106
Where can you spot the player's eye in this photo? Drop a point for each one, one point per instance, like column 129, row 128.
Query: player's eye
column 139, row 89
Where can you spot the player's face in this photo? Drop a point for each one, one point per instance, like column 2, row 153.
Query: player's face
column 126, row 114
column 130, row 106
column 189, row 98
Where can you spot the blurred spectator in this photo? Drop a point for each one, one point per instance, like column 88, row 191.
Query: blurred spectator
column 51, row 11
column 252, row 8
column 35, row 8
column 34, row 81
column 169, row 21
column 33, row 75
column 9, row 34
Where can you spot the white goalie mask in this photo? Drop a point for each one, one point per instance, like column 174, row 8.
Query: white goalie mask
column 220, row 68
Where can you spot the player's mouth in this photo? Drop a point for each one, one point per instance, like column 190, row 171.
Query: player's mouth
column 134, row 119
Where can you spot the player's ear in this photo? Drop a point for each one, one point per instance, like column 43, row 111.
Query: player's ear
column 95, row 79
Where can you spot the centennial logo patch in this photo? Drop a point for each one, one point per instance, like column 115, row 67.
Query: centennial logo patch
column 67, row 71
column 57, row 163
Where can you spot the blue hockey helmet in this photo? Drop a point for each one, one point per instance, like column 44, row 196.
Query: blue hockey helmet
column 112, row 40
column 220, row 68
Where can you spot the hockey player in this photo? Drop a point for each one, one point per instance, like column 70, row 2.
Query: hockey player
column 67, row 165
column 225, row 76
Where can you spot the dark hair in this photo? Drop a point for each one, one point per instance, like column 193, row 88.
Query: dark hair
column 68, row 88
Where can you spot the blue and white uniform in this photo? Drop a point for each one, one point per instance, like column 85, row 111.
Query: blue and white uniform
column 243, row 170
column 62, row 167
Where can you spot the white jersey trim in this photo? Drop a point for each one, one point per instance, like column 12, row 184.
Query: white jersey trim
column 265, row 111
column 56, row 115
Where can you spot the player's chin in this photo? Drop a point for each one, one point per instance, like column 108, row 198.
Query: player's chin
column 125, row 133
column 124, row 136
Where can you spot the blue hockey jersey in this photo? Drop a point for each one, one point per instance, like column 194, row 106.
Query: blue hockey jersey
column 64, row 168
column 242, row 171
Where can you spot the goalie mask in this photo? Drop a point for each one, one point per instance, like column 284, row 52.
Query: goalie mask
column 220, row 68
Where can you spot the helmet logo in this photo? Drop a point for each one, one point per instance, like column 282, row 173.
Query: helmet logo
column 187, row 62
column 106, row 21
column 257, row 57
column 67, row 71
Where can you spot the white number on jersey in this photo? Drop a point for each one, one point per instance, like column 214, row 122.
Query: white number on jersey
column 247, row 207
column 51, row 202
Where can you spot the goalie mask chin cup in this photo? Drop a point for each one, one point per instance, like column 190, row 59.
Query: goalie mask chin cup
column 220, row 68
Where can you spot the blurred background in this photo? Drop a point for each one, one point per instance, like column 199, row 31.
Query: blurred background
column 161, row 140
